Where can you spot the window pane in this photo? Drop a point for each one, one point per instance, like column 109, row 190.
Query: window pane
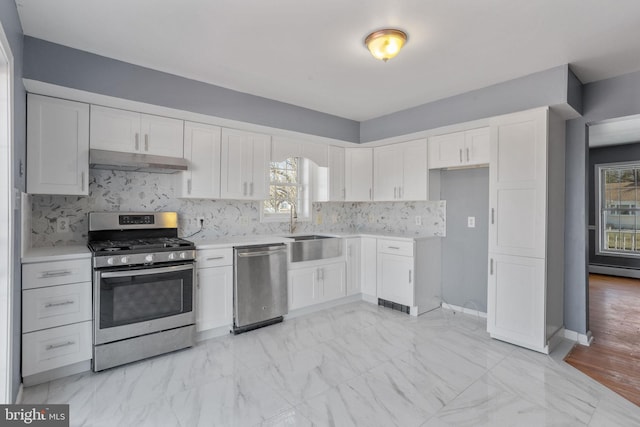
column 612, row 188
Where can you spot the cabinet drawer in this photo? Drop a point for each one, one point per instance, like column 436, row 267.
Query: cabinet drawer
column 214, row 257
column 396, row 247
column 41, row 274
column 55, row 306
column 56, row 347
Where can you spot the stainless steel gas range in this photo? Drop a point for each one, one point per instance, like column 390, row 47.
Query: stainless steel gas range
column 143, row 286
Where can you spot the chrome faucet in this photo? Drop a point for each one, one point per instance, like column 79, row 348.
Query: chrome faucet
column 293, row 219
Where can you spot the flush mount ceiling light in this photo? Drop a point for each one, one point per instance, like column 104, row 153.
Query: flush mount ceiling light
column 385, row 44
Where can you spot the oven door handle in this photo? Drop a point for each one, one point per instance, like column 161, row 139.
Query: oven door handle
column 145, row 272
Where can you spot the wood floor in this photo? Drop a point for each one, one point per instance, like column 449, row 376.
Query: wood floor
column 613, row 358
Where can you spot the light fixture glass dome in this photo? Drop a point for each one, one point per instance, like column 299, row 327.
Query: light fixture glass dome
column 385, row 44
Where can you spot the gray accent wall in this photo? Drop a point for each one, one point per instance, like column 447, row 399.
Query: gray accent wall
column 545, row 88
column 64, row 66
column 605, row 99
column 465, row 251
column 13, row 30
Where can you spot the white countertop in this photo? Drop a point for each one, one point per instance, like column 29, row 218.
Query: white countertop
column 55, row 253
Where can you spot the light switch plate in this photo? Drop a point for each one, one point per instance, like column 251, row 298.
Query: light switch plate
column 471, row 221
column 418, row 220
column 62, row 225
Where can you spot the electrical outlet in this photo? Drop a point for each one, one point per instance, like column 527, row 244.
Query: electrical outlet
column 372, row 219
column 62, row 225
column 318, row 218
column 200, row 221
column 418, row 220
column 471, row 222
column 244, row 220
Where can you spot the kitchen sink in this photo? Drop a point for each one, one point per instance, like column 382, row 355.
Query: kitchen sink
column 313, row 247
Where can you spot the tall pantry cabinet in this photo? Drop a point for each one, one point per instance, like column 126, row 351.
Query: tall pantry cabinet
column 526, row 229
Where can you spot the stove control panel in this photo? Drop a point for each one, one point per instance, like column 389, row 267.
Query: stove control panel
column 136, row 219
column 143, row 258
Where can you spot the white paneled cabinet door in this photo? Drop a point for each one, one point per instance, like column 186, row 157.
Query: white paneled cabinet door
column 395, row 278
column 368, row 262
column 332, row 277
column 336, row 174
column 353, row 265
column 214, row 302
column 303, row 287
column 202, row 150
column 358, row 174
column 387, row 168
column 115, row 130
column 517, row 182
column 516, row 300
column 414, row 171
column 477, row 147
column 244, row 165
column 57, row 146
column 261, row 154
column 161, row 136
column 446, row 150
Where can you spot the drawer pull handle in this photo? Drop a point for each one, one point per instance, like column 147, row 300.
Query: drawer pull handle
column 64, row 344
column 58, row 304
column 146, row 142
column 410, row 276
column 394, row 247
column 59, row 273
column 137, row 141
column 215, row 258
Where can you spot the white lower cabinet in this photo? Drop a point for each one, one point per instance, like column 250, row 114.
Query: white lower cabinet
column 368, row 262
column 214, row 290
column 353, row 265
column 395, row 278
column 315, row 284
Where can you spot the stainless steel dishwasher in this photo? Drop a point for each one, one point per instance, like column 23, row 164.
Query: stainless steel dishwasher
column 259, row 286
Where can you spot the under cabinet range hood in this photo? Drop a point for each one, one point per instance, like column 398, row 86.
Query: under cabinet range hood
column 118, row 160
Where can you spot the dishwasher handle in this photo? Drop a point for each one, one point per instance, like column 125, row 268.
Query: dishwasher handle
column 259, row 253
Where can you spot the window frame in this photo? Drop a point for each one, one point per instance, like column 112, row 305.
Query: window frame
column 600, row 210
column 303, row 185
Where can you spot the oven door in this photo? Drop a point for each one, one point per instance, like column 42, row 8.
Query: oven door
column 132, row 302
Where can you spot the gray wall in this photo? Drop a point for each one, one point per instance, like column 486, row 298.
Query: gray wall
column 600, row 155
column 606, row 99
column 64, row 66
column 13, row 30
column 556, row 86
column 465, row 250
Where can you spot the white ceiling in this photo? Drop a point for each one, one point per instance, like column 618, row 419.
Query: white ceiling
column 311, row 53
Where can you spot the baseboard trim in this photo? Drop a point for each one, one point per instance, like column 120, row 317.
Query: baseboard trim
column 464, row 310
column 20, row 394
column 615, row 271
column 582, row 339
column 372, row 299
column 213, row 333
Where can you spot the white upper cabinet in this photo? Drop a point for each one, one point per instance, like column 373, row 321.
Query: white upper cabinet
column 202, row 150
column 244, row 165
column 57, row 146
column 337, row 191
column 131, row 132
column 358, row 174
column 400, row 171
column 459, row 149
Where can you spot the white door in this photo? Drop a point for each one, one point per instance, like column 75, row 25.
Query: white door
column 259, row 169
column 236, row 154
column 333, row 277
column 202, row 149
column 303, row 287
column 353, row 265
column 214, row 301
column 414, row 171
column 161, row 136
column 57, row 146
column 358, row 174
column 395, row 278
column 387, row 172
column 477, row 147
column 115, row 130
column 517, row 184
column 446, row 150
column 336, row 174
column 368, row 261
column 515, row 300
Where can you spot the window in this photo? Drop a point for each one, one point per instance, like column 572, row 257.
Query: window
column 619, row 209
column 288, row 189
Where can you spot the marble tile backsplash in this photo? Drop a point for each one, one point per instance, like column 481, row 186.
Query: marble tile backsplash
column 137, row 191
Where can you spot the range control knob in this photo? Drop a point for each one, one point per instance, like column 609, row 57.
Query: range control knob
column 124, row 260
column 183, row 255
column 149, row 258
column 172, row 256
column 110, row 260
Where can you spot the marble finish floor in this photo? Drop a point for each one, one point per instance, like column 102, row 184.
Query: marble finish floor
column 354, row 364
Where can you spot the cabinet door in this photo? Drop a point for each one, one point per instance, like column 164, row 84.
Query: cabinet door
column 57, row 146
column 515, row 300
column 236, row 155
column 387, row 169
column 214, row 302
column 161, row 136
column 477, row 147
column 353, row 265
column 414, row 171
column 115, row 130
column 202, row 149
column 303, row 287
column 336, row 174
column 517, row 184
column 446, row 150
column 258, row 178
column 358, row 174
column 395, row 278
column 368, row 262
column 332, row 277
